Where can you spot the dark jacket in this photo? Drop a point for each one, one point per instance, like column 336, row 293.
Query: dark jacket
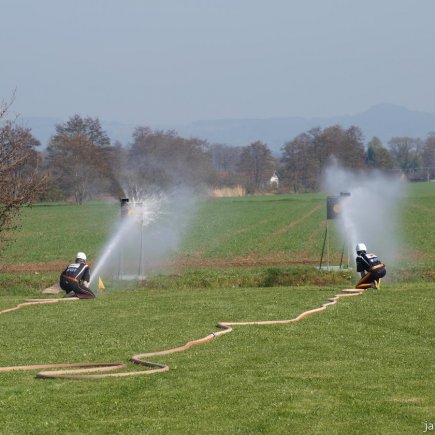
column 77, row 272
column 369, row 263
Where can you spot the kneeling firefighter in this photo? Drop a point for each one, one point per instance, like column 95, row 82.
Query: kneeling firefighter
column 75, row 279
column 370, row 267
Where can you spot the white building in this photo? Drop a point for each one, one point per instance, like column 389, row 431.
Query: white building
column 274, row 180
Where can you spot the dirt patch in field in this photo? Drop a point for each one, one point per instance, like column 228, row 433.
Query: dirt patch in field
column 52, row 290
column 182, row 263
column 50, row 266
column 239, row 262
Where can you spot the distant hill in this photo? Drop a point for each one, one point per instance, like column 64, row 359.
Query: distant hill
column 382, row 120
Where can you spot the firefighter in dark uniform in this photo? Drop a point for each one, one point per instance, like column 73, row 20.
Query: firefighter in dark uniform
column 370, row 267
column 75, row 279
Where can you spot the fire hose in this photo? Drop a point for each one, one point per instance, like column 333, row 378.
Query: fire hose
column 99, row 369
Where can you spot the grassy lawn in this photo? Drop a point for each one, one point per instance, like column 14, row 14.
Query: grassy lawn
column 57, row 232
column 259, row 227
column 288, row 226
column 363, row 366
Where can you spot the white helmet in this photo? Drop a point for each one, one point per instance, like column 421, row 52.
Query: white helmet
column 81, row 256
column 360, row 247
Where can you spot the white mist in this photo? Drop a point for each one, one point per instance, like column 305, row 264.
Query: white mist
column 370, row 214
column 144, row 238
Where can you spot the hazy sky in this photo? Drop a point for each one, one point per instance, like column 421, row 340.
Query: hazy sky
column 175, row 61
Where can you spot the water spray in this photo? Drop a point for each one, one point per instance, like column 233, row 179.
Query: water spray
column 113, row 245
column 147, row 232
column 369, row 212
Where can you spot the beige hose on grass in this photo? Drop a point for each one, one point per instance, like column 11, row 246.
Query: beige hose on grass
column 98, row 370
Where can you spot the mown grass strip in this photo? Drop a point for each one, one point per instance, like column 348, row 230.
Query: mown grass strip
column 365, row 362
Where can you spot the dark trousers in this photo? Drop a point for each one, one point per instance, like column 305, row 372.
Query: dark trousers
column 372, row 276
column 79, row 289
column 365, row 281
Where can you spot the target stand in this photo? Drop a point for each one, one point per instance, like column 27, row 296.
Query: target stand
column 333, row 212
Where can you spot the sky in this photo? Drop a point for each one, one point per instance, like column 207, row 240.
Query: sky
column 152, row 62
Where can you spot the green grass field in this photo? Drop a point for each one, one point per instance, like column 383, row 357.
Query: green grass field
column 363, row 366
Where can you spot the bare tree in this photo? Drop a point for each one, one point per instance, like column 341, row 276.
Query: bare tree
column 20, row 180
column 377, row 156
column 162, row 159
column 257, row 164
column 407, row 152
column 225, row 158
column 429, row 156
column 79, row 158
column 305, row 157
column 86, row 127
column 300, row 167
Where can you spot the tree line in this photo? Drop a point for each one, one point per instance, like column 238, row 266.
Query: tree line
column 81, row 163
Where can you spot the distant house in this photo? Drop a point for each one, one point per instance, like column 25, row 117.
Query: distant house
column 274, row 180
